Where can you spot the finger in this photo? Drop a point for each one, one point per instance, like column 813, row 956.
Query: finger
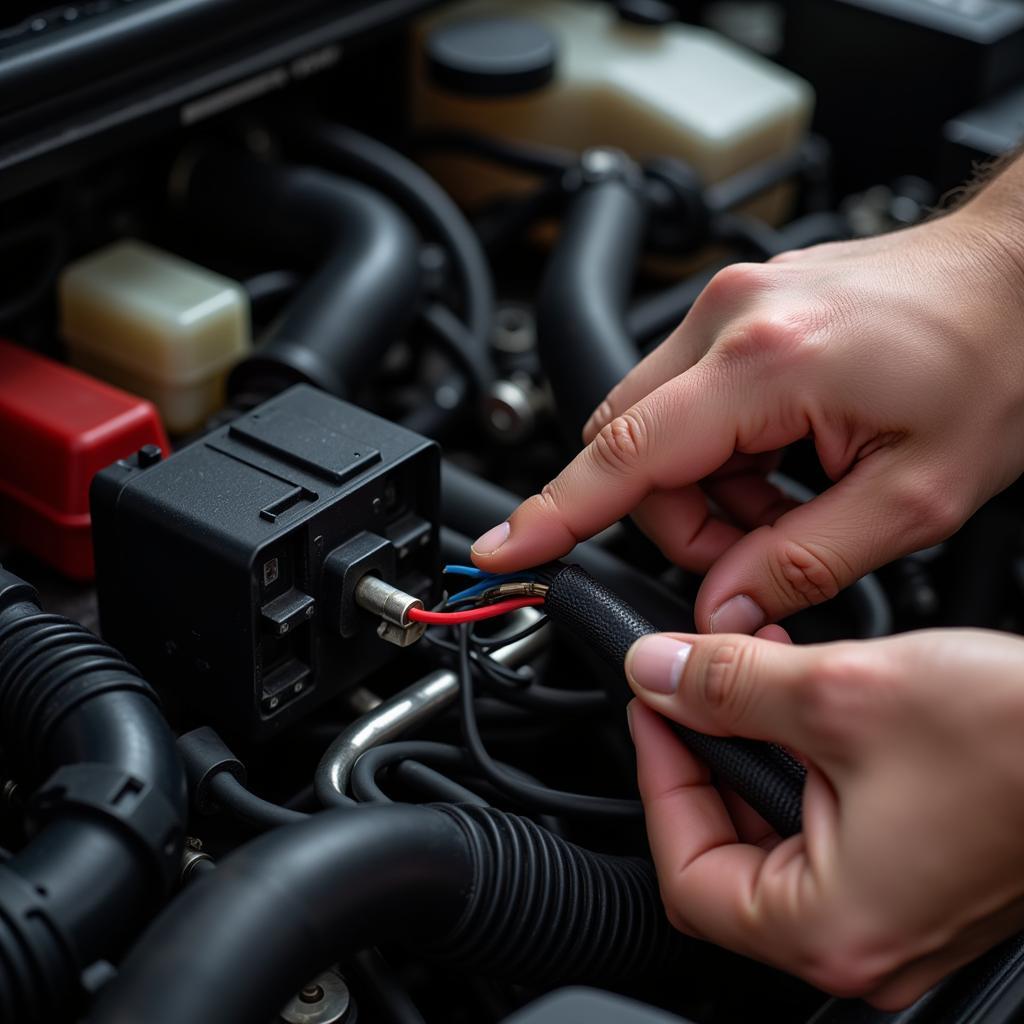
column 725, row 295
column 675, row 355
column 813, row 551
column 727, row 685
column 637, row 453
column 711, row 883
column 774, row 633
column 681, row 521
column 749, row 499
column 750, row 826
column 681, row 524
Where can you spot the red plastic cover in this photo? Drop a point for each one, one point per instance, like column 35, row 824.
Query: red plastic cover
column 58, row 427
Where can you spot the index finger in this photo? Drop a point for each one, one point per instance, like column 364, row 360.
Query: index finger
column 679, row 433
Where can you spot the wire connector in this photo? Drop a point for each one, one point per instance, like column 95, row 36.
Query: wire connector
column 393, row 606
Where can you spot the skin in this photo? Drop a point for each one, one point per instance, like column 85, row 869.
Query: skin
column 902, row 357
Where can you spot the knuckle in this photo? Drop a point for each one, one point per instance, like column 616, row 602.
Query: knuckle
column 778, row 341
column 836, row 698
column 601, row 415
column 808, row 572
column 621, row 443
column 735, row 281
column 932, row 505
column 723, row 684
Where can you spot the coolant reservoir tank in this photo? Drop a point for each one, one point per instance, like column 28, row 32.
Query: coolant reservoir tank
column 157, row 326
column 575, row 73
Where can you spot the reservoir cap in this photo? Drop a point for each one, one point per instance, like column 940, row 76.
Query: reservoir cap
column 491, row 56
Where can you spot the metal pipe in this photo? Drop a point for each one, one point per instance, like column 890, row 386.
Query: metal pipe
column 407, row 708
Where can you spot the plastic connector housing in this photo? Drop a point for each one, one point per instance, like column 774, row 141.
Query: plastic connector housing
column 58, row 427
column 227, row 572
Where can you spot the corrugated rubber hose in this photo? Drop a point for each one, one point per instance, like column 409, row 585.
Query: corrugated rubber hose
column 764, row 775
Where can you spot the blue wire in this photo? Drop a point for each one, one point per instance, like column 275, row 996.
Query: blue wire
column 465, row 570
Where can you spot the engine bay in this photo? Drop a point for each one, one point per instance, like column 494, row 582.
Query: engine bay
column 297, row 301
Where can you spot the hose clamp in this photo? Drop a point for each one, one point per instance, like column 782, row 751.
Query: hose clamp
column 136, row 809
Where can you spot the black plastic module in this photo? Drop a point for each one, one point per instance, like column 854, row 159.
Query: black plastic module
column 225, row 573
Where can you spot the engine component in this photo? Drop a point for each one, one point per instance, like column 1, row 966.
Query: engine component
column 228, row 572
column 79, row 80
column 890, row 123
column 362, row 251
column 587, row 1006
column 672, row 89
column 394, row 717
column 581, row 310
column 156, row 325
column 60, row 427
column 472, row 886
column 325, row 1000
column 107, row 821
column 981, row 134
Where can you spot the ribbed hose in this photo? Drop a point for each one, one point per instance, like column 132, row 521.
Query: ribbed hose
column 766, row 776
column 107, row 825
column 475, row 887
column 546, row 912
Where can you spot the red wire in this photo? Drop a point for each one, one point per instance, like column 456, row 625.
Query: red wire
column 472, row 614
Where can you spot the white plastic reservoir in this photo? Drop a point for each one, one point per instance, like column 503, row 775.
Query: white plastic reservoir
column 155, row 325
column 652, row 90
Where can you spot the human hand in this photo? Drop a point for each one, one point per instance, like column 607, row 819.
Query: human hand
column 900, row 355
column 909, row 863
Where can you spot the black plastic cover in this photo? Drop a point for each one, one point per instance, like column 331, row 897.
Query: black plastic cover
column 210, row 565
column 492, row 56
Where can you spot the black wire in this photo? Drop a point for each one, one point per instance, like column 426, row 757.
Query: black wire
column 516, row 677
column 542, row 698
column 556, row 801
column 364, row 772
column 434, row 785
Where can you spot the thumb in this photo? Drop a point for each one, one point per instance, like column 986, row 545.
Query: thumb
column 876, row 513
column 727, row 685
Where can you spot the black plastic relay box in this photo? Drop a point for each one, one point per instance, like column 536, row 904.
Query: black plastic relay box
column 227, row 571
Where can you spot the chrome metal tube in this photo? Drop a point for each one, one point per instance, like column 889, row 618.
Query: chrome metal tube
column 411, row 706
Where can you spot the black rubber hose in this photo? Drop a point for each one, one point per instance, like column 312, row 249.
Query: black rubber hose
column 471, row 886
column 582, row 339
column 361, row 251
column 764, row 775
column 351, row 152
column 108, row 822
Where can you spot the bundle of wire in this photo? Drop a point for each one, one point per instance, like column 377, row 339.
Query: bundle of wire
column 488, row 597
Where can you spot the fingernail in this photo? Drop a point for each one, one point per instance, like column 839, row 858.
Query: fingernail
column 489, row 542
column 740, row 614
column 629, row 720
column 656, row 663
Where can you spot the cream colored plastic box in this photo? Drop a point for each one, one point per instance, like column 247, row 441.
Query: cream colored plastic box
column 156, row 325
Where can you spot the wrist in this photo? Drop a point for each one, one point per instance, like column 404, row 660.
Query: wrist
column 994, row 216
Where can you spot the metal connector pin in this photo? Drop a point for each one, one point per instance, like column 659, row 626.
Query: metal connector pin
column 393, row 607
